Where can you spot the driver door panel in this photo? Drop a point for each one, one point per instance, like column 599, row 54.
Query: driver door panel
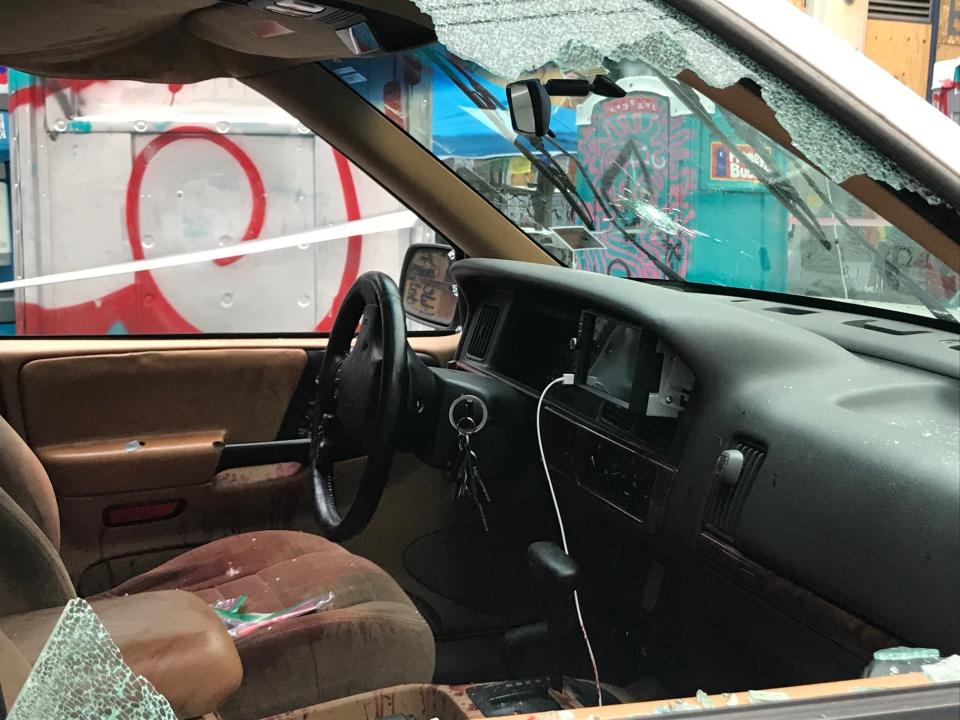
column 155, row 446
column 132, row 441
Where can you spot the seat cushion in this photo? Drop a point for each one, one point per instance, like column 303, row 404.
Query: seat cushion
column 370, row 635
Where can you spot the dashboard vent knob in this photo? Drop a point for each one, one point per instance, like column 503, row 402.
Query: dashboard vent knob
column 733, row 476
column 729, row 466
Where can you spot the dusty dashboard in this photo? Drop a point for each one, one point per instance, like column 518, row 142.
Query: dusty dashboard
column 616, row 433
column 829, row 410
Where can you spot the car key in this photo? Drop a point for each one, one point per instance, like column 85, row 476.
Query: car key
column 476, row 488
column 469, row 483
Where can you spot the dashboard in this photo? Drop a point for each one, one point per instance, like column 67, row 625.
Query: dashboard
column 610, row 432
column 801, row 462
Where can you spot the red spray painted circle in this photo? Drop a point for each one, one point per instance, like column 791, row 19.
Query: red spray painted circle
column 148, row 288
column 157, row 314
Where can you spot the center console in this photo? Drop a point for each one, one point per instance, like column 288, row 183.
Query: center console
column 616, row 471
column 612, row 432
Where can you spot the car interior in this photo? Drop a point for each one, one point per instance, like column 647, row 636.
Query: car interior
column 756, row 492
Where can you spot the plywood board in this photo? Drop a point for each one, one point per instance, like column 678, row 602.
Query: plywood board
column 902, row 49
column 948, row 40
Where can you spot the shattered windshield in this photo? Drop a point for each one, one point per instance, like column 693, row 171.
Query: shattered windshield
column 658, row 184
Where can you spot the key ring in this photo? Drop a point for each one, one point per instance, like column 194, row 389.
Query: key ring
column 468, row 425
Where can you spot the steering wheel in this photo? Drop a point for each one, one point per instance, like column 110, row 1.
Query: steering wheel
column 361, row 396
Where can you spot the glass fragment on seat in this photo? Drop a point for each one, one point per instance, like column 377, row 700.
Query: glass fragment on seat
column 240, row 624
column 81, row 674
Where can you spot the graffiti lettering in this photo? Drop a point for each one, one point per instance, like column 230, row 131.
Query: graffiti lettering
column 639, row 154
column 726, row 165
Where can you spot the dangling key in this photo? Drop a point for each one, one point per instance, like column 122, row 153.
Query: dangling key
column 473, row 469
column 466, row 470
column 455, row 473
column 476, row 488
column 471, row 484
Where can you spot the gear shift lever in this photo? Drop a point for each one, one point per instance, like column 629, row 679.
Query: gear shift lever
column 558, row 575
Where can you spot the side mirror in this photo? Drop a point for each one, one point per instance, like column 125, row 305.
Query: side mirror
column 429, row 292
column 529, row 107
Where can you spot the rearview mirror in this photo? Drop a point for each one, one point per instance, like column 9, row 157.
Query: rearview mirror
column 529, row 107
column 429, row 292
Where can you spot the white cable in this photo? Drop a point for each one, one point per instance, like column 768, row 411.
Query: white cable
column 566, row 379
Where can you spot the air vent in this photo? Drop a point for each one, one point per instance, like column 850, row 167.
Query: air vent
column 337, row 16
column 900, row 10
column 726, row 501
column 787, row 310
column 483, row 329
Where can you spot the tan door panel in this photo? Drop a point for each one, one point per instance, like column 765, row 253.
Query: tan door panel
column 243, row 393
column 132, row 442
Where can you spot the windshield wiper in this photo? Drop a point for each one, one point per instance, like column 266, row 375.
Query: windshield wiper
column 785, row 193
column 485, row 100
column 790, row 198
column 929, row 301
column 547, row 165
column 558, row 178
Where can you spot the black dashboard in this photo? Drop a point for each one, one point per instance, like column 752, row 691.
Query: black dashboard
column 803, row 461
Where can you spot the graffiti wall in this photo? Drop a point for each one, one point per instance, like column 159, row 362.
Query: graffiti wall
column 676, row 193
column 111, row 171
column 635, row 152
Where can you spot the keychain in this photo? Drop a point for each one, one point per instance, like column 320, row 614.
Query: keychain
column 465, row 470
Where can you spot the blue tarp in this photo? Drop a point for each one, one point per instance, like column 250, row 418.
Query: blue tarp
column 462, row 130
column 459, row 128
column 4, row 136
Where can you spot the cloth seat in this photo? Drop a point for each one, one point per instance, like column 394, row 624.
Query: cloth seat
column 370, row 636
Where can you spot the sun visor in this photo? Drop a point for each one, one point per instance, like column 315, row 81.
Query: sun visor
column 191, row 40
column 302, row 29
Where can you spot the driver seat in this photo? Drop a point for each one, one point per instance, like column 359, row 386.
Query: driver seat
column 371, row 636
